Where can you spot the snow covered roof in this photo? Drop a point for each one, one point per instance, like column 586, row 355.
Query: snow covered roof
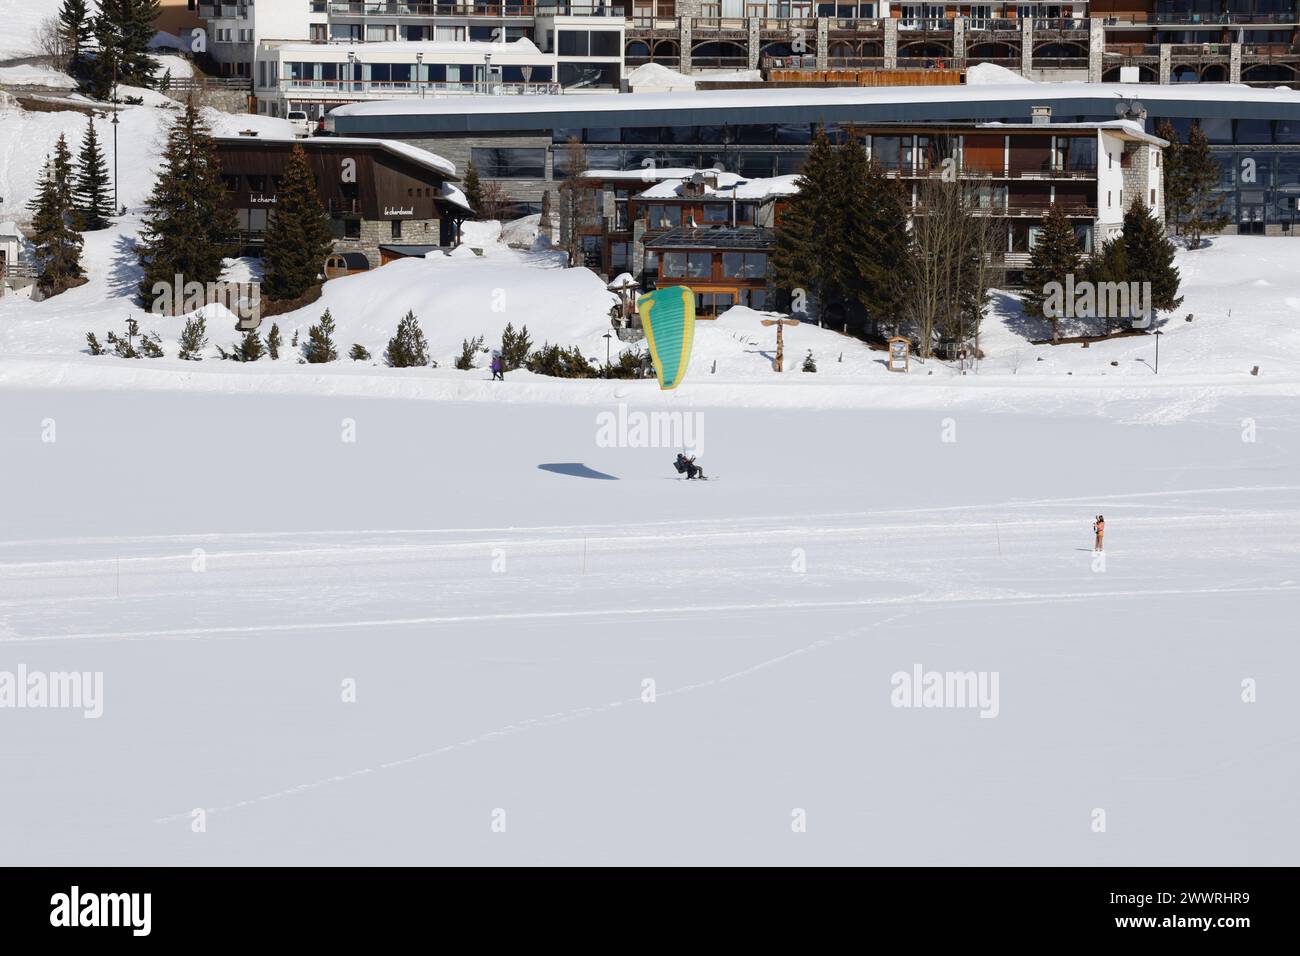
column 455, row 196
column 827, row 96
column 729, row 186
column 1130, row 129
column 10, row 228
column 646, row 174
column 423, row 157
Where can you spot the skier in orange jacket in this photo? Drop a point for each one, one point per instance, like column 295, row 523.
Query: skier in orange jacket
column 1099, row 529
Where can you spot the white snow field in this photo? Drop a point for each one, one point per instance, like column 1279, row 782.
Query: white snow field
column 497, row 587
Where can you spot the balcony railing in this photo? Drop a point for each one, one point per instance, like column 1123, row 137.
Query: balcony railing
column 472, row 8
column 412, row 88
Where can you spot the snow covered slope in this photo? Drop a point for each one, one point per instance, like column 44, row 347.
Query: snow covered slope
column 21, row 20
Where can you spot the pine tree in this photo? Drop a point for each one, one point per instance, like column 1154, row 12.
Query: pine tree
column 408, row 348
column 250, row 347
column 1200, row 178
column 76, row 27
column 92, row 200
column 546, row 221
column 1149, row 256
column 320, row 341
column 1056, row 255
column 298, row 235
column 128, row 24
column 473, row 190
column 273, row 341
column 105, row 69
column 809, row 364
column 806, row 235
column 469, row 348
column 1175, row 176
column 57, row 242
column 187, row 226
column 359, row 353
column 194, row 339
column 515, row 347
column 868, row 243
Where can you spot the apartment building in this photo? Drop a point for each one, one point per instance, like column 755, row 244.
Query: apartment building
column 713, row 230
column 381, row 197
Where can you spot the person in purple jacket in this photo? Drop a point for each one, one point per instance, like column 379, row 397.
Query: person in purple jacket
column 498, row 368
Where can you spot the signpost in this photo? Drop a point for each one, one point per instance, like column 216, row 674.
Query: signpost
column 780, row 339
column 899, row 352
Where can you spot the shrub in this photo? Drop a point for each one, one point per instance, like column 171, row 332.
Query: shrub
column 358, row 353
column 560, row 362
column 468, row 348
column 408, row 348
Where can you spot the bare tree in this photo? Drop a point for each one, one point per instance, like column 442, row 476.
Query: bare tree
column 495, row 200
column 574, row 198
column 52, row 42
column 956, row 260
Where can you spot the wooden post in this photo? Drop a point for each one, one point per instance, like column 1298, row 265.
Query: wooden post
column 780, row 339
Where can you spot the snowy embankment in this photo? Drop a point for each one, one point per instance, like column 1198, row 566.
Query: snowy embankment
column 1243, row 292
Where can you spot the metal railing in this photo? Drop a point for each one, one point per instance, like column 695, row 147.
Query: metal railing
column 414, row 88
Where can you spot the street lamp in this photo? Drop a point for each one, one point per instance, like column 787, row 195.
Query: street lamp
column 607, row 337
column 487, row 71
column 1158, row 333
column 116, row 207
column 419, row 72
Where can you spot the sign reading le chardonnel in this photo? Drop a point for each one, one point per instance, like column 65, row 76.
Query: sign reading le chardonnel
column 393, row 211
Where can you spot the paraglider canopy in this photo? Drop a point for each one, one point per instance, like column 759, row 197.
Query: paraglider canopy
column 668, row 316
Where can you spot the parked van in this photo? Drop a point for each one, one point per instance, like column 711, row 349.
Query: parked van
column 302, row 126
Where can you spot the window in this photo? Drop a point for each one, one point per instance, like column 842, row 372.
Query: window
column 674, row 264
column 351, row 228
column 699, row 265
column 575, row 43
column 663, row 217
column 717, row 213
column 257, row 184
column 605, row 43
column 589, row 75
column 509, row 162
column 744, row 265
column 397, row 229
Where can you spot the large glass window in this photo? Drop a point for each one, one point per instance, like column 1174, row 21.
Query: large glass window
column 1081, row 154
column 716, row 212
column 887, row 151
column 699, row 265
column 1250, row 131
column 659, row 216
column 605, row 43
column 744, row 265
column 509, row 162
column 674, row 265
column 589, row 75
column 574, row 43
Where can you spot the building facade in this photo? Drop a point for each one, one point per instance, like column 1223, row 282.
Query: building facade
column 1256, row 42
column 1254, row 134
column 376, row 193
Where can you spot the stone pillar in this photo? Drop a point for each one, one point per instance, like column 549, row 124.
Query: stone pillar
column 1165, row 60
column 823, row 41
column 1096, row 48
column 958, row 42
column 1234, row 63
column 1026, row 47
column 684, row 42
column 755, row 40
column 891, row 43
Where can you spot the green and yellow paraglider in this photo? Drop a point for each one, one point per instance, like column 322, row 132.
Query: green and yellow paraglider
column 668, row 317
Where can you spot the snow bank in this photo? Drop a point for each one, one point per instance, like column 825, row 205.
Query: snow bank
column 36, row 76
column 990, row 74
column 657, row 78
column 21, row 22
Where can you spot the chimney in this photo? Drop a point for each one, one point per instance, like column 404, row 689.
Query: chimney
column 1040, row 115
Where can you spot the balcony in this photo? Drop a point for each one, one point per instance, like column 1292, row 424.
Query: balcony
column 414, row 89
column 469, row 8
